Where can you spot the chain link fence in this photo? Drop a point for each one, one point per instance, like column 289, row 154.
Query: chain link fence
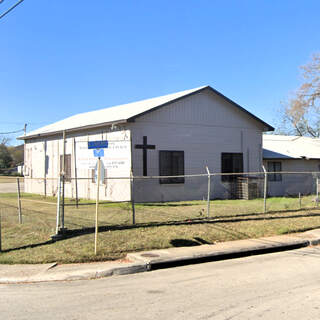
column 68, row 206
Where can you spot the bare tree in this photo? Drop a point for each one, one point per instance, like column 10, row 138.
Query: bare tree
column 4, row 140
column 301, row 114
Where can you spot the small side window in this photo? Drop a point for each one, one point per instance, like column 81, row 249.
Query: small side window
column 274, row 167
column 67, row 166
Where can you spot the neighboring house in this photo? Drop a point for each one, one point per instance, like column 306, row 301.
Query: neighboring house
column 291, row 154
column 20, row 169
column 176, row 134
column 18, row 155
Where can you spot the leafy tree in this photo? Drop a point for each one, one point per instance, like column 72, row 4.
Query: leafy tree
column 301, row 115
column 5, row 157
column 17, row 154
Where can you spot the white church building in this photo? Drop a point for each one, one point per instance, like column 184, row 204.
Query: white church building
column 172, row 135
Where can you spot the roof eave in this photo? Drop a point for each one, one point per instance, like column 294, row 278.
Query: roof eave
column 290, row 158
column 279, row 158
column 53, row 133
column 268, row 127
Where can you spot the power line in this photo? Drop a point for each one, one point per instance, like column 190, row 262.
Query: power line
column 12, row 131
column 10, row 9
column 19, row 123
column 8, row 122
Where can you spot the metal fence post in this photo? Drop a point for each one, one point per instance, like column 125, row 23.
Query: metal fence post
column 19, row 201
column 63, row 177
column 317, row 182
column 265, row 190
column 299, row 200
column 132, row 198
column 62, row 204
column 75, row 172
column 0, row 231
column 58, row 205
column 208, row 196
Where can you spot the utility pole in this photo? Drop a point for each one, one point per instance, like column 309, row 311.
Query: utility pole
column 265, row 189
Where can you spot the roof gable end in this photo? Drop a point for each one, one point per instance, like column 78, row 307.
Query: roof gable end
column 126, row 113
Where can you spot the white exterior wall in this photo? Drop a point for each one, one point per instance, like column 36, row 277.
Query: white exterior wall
column 292, row 184
column 203, row 126
column 42, row 160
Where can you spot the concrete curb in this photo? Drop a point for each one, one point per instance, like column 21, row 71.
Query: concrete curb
column 177, row 256
column 68, row 272
column 155, row 259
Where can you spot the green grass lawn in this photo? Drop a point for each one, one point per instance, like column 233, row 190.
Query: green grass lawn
column 158, row 225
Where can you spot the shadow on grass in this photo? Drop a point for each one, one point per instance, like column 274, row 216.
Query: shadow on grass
column 168, row 204
column 261, row 213
column 213, row 221
column 125, row 203
column 73, row 233
column 28, row 246
column 188, row 243
column 184, row 243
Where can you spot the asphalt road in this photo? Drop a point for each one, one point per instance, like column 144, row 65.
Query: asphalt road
column 275, row 286
column 10, row 187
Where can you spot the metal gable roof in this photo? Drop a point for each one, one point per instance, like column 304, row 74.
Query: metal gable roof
column 124, row 113
column 290, row 147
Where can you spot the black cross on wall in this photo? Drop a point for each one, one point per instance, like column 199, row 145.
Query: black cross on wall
column 145, row 146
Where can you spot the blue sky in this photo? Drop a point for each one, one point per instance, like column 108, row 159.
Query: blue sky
column 59, row 58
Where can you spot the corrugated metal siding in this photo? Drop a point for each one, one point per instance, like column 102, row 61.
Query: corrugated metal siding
column 204, row 108
column 203, row 126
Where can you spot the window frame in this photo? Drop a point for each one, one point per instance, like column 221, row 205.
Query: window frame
column 67, row 168
column 173, row 169
column 276, row 176
column 225, row 169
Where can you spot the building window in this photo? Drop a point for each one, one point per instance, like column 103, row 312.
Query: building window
column 274, row 166
column 67, row 167
column 171, row 163
column 231, row 163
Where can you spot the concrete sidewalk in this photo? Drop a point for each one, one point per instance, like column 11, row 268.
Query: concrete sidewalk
column 149, row 260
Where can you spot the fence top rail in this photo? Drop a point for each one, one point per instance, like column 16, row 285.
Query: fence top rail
column 260, row 173
column 243, row 174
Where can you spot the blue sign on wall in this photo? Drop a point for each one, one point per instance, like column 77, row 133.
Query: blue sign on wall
column 98, row 144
